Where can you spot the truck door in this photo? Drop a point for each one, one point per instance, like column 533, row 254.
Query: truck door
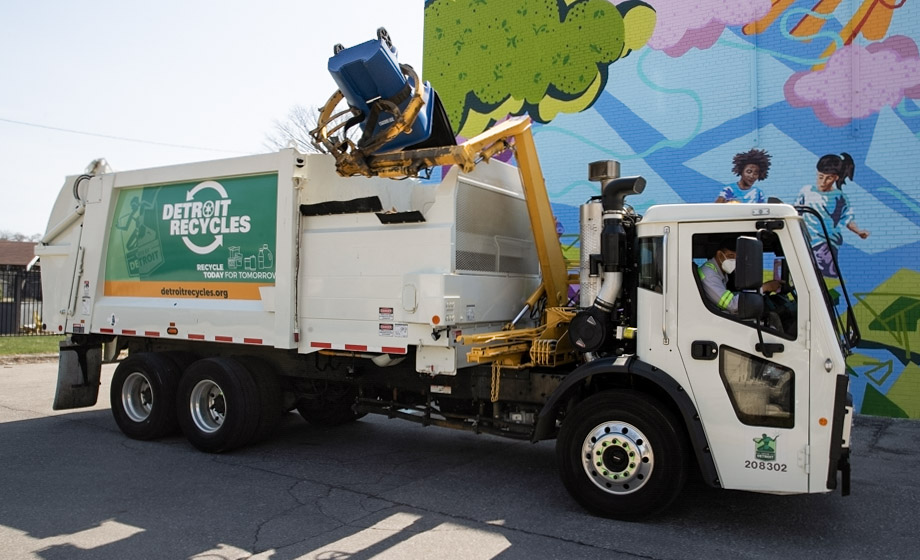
column 753, row 406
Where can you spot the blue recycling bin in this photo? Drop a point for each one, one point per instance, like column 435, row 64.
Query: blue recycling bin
column 370, row 71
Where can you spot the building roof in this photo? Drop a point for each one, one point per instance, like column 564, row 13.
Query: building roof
column 17, row 253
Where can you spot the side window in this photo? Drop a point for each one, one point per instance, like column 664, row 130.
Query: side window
column 780, row 307
column 717, row 290
column 650, row 263
column 761, row 392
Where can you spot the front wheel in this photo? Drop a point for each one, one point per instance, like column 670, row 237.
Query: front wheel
column 622, row 455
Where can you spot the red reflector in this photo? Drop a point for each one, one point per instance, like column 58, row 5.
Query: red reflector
column 252, row 341
column 128, row 331
column 393, row 350
column 107, row 331
column 320, row 345
column 296, row 337
column 356, row 347
column 196, row 336
column 219, row 338
column 151, row 333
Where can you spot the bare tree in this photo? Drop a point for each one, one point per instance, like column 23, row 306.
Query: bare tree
column 294, row 131
column 6, row 235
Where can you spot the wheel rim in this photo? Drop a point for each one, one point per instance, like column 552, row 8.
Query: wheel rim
column 617, row 458
column 137, row 397
column 208, row 406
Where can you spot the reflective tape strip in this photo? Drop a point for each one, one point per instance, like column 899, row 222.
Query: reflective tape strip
column 359, row 348
column 725, row 299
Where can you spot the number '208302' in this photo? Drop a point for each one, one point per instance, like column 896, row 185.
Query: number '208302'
column 765, row 466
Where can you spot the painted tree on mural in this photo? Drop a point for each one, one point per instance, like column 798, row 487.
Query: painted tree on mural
column 542, row 57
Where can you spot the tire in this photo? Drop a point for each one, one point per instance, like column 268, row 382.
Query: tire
column 143, row 396
column 332, row 405
column 622, row 455
column 270, row 399
column 182, row 359
column 218, row 405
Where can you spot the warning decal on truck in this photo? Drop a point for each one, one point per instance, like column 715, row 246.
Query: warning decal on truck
column 206, row 239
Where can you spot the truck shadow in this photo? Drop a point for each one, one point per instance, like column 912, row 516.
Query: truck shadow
column 74, row 487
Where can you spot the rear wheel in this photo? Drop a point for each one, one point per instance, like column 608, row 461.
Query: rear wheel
column 143, row 396
column 332, row 404
column 218, row 405
column 270, row 399
column 622, row 455
column 182, row 359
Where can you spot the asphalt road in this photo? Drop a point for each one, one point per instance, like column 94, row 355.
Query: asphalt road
column 72, row 487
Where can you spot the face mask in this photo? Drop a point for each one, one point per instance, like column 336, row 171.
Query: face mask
column 728, row 265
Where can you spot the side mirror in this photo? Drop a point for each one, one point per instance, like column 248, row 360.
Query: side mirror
column 750, row 305
column 748, row 264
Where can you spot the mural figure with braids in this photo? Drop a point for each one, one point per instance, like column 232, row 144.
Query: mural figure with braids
column 834, row 208
column 750, row 166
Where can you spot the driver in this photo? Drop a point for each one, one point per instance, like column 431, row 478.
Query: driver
column 714, row 276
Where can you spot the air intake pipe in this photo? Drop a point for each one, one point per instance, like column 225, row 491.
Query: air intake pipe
column 590, row 328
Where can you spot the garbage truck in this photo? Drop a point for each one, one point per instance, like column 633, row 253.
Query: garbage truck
column 232, row 292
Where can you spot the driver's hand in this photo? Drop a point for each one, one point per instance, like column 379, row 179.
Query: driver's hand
column 772, row 286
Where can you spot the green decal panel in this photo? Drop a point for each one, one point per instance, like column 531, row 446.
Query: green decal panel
column 203, row 239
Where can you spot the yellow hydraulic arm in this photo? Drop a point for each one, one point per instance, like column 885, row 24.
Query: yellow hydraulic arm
column 513, row 134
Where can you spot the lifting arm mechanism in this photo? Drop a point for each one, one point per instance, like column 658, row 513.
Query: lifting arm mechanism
column 414, row 136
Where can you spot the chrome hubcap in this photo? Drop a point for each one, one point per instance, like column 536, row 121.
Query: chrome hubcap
column 137, row 397
column 208, row 406
column 617, row 457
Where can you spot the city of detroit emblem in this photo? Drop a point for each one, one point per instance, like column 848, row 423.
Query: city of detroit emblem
column 765, row 447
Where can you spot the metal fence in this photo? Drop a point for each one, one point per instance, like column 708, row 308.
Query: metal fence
column 21, row 302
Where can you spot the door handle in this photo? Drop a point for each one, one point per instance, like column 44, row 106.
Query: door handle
column 769, row 348
column 704, row 350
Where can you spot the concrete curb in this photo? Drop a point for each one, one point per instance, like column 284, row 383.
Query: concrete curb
column 12, row 359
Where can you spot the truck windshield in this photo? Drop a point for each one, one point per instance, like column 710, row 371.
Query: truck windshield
column 837, row 301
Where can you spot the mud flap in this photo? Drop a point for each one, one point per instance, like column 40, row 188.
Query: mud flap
column 79, row 370
column 839, row 459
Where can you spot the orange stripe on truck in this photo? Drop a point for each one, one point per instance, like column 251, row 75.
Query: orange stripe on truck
column 186, row 290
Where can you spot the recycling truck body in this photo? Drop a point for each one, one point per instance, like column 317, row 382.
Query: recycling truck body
column 233, row 291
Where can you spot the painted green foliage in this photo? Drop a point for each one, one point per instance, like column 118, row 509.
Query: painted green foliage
column 543, row 56
column 889, row 317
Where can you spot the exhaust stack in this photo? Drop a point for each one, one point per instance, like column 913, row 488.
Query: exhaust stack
column 590, row 329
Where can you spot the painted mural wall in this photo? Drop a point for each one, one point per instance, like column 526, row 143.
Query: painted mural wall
column 674, row 89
